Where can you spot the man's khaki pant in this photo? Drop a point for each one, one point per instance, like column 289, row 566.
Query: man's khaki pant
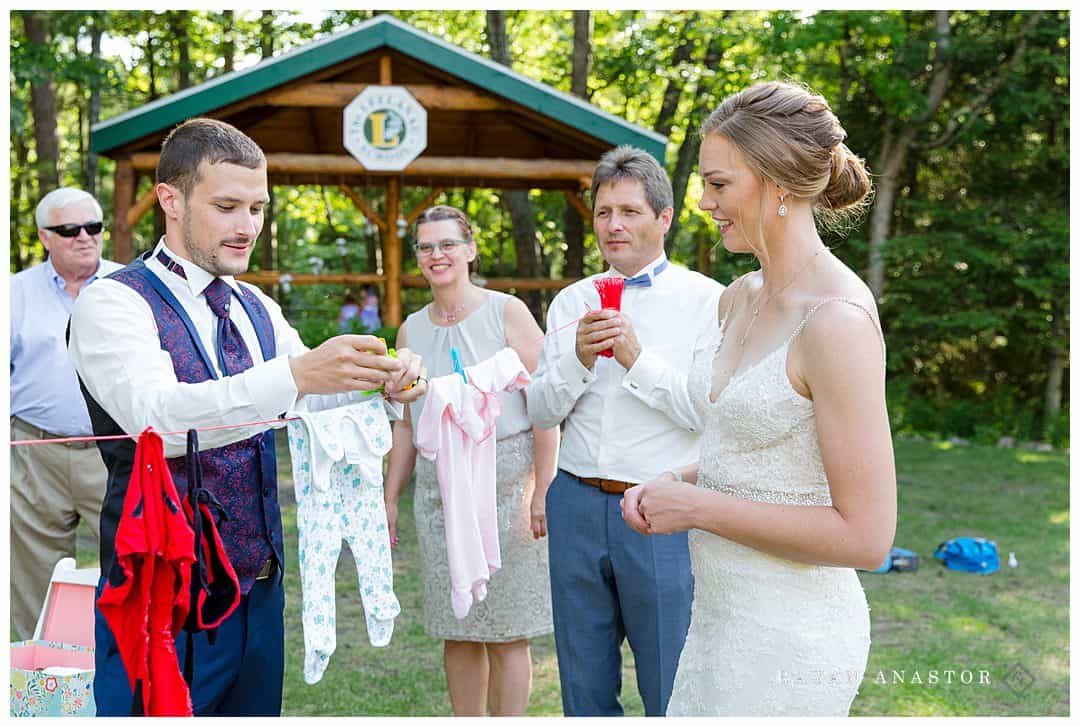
column 52, row 487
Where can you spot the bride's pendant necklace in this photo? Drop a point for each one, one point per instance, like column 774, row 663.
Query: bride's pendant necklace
column 452, row 316
column 759, row 306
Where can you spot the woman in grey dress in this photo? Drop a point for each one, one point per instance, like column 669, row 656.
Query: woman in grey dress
column 486, row 654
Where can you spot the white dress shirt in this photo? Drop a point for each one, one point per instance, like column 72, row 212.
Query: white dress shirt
column 628, row 425
column 116, row 351
column 44, row 390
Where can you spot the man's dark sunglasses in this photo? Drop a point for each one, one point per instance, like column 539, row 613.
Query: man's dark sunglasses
column 72, row 230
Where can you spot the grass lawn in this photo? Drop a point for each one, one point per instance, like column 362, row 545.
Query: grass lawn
column 1012, row 625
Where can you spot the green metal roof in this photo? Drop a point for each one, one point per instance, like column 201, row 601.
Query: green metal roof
column 381, row 31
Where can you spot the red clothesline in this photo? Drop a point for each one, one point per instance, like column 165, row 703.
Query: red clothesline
column 64, row 440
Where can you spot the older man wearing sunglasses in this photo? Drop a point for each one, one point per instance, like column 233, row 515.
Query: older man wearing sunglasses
column 53, row 486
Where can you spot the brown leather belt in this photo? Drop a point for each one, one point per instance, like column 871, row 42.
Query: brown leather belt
column 39, row 433
column 612, row 487
column 267, row 570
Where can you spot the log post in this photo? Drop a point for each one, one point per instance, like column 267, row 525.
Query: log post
column 392, row 235
column 423, row 205
column 338, row 95
column 579, row 204
column 392, row 252
column 365, row 209
column 140, row 208
column 123, row 198
column 420, row 172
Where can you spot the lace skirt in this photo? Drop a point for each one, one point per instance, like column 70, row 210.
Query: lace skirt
column 518, row 603
column 769, row 637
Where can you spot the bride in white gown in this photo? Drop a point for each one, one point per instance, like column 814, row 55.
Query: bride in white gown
column 796, row 485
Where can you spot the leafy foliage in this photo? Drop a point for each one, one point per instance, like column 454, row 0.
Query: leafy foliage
column 975, row 304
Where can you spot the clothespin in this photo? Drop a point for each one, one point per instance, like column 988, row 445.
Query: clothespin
column 456, row 360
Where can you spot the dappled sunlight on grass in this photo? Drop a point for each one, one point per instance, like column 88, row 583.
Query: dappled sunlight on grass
column 909, row 700
column 901, row 612
column 1037, row 457
column 545, row 699
column 969, row 625
column 1060, row 518
column 1054, row 664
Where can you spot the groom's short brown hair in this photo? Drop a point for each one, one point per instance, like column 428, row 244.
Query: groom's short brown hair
column 198, row 140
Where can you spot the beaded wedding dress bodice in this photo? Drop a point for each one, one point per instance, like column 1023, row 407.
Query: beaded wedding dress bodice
column 768, row 636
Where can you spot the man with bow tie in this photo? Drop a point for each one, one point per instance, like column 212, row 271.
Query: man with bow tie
column 175, row 342
column 627, row 419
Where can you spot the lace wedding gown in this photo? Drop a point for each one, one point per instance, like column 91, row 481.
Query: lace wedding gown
column 767, row 636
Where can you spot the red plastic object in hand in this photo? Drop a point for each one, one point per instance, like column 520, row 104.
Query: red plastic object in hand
column 610, row 290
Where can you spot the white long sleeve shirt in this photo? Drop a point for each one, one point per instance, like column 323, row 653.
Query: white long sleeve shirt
column 115, row 349
column 627, row 425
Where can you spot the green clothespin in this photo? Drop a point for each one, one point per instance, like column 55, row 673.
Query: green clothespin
column 392, row 353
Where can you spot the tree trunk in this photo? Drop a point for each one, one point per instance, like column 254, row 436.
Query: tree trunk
column 887, row 177
column 846, row 79
column 151, row 66
column 266, row 33
column 582, row 54
column 523, row 227
column 674, row 89
column 516, row 202
column 574, row 231
column 894, row 152
column 43, row 107
column 496, row 36
column 573, row 224
column 94, row 108
column 159, row 214
column 680, row 178
column 83, row 132
column 273, row 247
column 268, row 234
column 688, row 151
column 1055, row 372
column 18, row 244
column 372, row 245
column 179, row 23
column 228, row 40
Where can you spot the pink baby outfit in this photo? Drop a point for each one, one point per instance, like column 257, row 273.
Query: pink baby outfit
column 457, row 432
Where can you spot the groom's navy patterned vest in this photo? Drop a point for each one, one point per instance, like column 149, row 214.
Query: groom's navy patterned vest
column 242, row 475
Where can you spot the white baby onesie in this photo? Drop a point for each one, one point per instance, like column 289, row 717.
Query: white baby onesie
column 337, row 474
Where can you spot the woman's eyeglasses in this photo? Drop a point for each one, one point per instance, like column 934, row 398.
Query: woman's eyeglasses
column 72, row 230
column 446, row 247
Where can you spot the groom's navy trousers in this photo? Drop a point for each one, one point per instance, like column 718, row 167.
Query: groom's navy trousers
column 239, row 675
column 610, row 583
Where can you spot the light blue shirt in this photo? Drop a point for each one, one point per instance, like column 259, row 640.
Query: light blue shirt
column 44, row 388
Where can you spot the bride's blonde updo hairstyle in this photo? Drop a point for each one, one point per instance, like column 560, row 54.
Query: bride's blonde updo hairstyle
column 788, row 134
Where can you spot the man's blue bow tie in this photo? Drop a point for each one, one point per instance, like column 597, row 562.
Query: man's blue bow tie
column 644, row 279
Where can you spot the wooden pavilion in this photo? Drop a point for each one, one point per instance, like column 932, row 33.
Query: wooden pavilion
column 487, row 127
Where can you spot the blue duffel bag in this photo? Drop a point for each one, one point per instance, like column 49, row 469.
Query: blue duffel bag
column 971, row 555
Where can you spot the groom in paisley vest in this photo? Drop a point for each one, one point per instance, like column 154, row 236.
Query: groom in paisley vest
column 175, row 342
column 628, row 417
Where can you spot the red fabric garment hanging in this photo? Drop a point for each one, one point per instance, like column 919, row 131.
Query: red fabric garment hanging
column 148, row 591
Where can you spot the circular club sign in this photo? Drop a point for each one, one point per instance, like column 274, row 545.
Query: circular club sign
column 385, row 128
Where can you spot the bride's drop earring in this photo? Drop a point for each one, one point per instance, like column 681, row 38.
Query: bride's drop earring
column 783, row 207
